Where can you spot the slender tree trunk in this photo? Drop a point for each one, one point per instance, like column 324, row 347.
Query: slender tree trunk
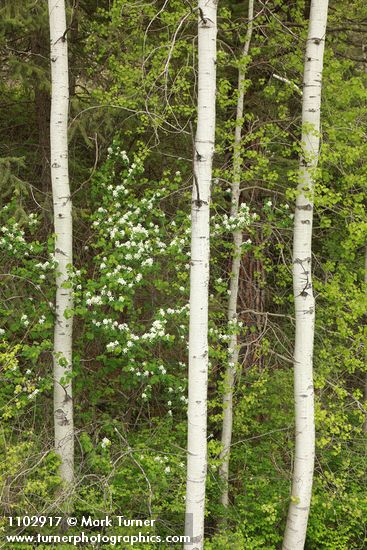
column 199, row 276
column 296, row 527
column 63, row 403
column 229, row 379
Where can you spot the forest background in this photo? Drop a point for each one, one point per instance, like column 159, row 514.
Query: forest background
column 133, row 71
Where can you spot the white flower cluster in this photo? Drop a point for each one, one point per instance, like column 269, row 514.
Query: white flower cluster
column 105, row 443
column 14, row 232
column 33, row 220
column 33, row 394
column 13, row 239
column 163, row 460
column 180, row 242
column 135, row 241
column 93, row 300
column 184, row 399
column 147, row 261
column 50, row 264
column 156, row 331
column 117, row 152
column 178, row 311
column 24, row 320
column 162, row 369
column 112, row 345
column 232, row 223
column 219, row 335
column 235, row 322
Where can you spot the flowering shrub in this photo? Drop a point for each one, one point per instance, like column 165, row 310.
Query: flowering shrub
column 137, row 254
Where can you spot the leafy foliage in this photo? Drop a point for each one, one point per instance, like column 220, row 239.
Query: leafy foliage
column 133, row 68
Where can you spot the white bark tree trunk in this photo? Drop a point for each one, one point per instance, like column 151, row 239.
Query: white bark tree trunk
column 229, row 379
column 296, row 527
column 199, row 276
column 62, row 356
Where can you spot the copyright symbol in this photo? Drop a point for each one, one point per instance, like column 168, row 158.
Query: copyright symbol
column 71, row 521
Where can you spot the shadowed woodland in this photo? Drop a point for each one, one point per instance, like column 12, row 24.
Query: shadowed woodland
column 144, row 145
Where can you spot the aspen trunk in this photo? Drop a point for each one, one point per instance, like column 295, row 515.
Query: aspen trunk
column 296, row 527
column 199, row 276
column 62, row 356
column 229, row 379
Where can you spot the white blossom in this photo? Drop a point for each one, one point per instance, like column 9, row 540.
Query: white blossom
column 105, row 442
column 33, row 394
